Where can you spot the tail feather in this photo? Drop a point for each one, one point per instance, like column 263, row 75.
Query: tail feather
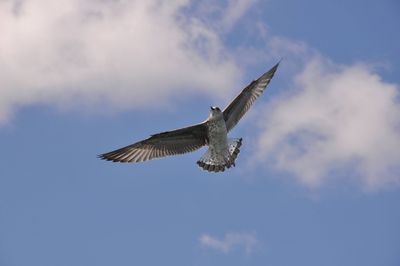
column 216, row 163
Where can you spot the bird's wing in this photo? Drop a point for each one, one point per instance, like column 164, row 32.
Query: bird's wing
column 242, row 103
column 167, row 143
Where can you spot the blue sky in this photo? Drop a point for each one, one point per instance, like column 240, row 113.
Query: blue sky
column 317, row 179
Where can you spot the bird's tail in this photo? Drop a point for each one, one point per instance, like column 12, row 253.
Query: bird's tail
column 215, row 162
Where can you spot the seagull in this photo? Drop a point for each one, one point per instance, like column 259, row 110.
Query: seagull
column 213, row 132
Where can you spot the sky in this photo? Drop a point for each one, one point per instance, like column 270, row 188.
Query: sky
column 317, row 181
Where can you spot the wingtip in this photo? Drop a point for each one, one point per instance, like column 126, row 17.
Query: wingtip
column 277, row 64
column 103, row 157
column 272, row 71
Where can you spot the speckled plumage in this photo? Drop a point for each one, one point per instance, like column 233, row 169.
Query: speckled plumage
column 213, row 132
column 219, row 155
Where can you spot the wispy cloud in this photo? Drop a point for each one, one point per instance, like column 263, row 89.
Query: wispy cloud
column 120, row 54
column 222, row 15
column 230, row 242
column 234, row 11
column 133, row 54
column 337, row 121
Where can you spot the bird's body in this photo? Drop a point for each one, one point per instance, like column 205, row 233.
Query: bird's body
column 220, row 153
column 213, row 132
column 217, row 134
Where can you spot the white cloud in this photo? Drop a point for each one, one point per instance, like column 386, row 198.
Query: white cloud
column 119, row 54
column 134, row 54
column 337, row 121
column 234, row 11
column 230, row 242
column 224, row 15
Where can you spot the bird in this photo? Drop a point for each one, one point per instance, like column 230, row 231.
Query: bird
column 213, row 132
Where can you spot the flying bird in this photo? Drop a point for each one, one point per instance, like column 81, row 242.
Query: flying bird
column 213, row 132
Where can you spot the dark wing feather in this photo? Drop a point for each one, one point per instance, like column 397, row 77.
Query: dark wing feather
column 167, row 143
column 242, row 103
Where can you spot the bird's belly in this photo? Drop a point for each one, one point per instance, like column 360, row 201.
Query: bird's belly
column 217, row 135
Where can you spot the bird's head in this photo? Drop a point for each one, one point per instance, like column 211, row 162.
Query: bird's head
column 215, row 112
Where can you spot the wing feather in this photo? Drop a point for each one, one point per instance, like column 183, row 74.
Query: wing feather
column 242, row 103
column 167, row 143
